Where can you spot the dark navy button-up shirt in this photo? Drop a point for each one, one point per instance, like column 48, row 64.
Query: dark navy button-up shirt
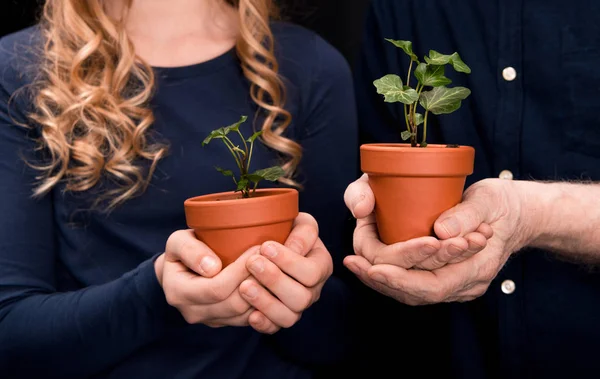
column 534, row 112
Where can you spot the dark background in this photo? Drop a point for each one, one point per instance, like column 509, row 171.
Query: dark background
column 338, row 21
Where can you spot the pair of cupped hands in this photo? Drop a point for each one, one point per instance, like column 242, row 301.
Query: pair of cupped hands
column 270, row 286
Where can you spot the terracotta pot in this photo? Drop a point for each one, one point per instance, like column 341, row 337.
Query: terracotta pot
column 230, row 225
column 413, row 186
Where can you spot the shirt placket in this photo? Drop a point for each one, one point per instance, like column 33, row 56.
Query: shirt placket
column 507, row 155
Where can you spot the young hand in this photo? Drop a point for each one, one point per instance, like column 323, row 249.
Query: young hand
column 191, row 277
column 286, row 279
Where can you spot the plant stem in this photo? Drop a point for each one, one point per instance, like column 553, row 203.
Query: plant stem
column 409, row 71
column 244, row 141
column 406, row 112
column 238, row 158
column 424, row 141
column 227, row 143
column 250, row 154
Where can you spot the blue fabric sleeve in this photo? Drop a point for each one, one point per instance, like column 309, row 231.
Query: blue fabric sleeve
column 70, row 334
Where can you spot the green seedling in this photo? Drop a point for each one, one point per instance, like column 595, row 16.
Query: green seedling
column 247, row 182
column 438, row 99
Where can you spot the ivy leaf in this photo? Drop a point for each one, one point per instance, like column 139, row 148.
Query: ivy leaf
column 271, row 174
column 443, row 100
column 455, row 60
column 394, row 91
column 406, row 135
column 418, row 119
column 242, row 184
column 235, row 127
column 224, row 172
column 406, row 46
column 431, row 75
column 254, row 136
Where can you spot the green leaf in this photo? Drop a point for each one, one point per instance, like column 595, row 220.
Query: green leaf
column 235, row 127
column 418, row 119
column 406, row 135
column 443, row 100
column 222, row 132
column 242, row 184
column 431, row 75
column 254, row 136
column 394, row 91
column 215, row 134
column 254, row 178
column 224, row 172
column 406, row 46
column 458, row 64
column 455, row 60
column 271, row 174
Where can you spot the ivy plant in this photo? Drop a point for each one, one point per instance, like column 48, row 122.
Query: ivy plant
column 247, row 182
column 431, row 90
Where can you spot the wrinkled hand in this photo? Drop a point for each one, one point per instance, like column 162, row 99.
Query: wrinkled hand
column 426, row 253
column 491, row 202
column 287, row 279
column 192, row 280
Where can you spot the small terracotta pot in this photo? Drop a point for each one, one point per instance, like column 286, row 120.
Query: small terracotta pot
column 413, row 186
column 230, row 225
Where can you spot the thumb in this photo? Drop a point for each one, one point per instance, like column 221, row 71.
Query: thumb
column 359, row 197
column 461, row 220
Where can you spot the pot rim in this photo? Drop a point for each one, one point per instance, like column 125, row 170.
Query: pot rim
column 275, row 205
column 391, row 147
column 267, row 195
column 400, row 159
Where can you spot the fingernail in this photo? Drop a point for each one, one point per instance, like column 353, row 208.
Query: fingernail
column 379, row 278
column 257, row 266
column 251, row 292
column 269, row 250
column 451, row 226
column 356, row 203
column 207, row 264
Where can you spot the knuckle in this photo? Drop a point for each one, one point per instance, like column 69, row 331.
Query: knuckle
column 314, row 278
column 189, row 317
column 305, row 300
column 172, row 298
column 288, row 322
column 174, row 240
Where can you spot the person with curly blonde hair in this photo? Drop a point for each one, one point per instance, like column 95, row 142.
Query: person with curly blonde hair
column 103, row 109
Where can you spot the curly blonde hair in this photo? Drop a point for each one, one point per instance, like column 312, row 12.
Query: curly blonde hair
column 92, row 102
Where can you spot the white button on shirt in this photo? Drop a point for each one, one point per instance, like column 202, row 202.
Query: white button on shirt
column 508, row 287
column 509, row 74
column 506, row 175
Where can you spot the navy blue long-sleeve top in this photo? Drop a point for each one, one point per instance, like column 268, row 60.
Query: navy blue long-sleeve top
column 78, row 293
column 533, row 114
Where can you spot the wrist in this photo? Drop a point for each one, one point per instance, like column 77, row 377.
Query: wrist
column 537, row 201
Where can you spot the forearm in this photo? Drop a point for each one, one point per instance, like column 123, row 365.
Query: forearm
column 81, row 333
column 563, row 218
